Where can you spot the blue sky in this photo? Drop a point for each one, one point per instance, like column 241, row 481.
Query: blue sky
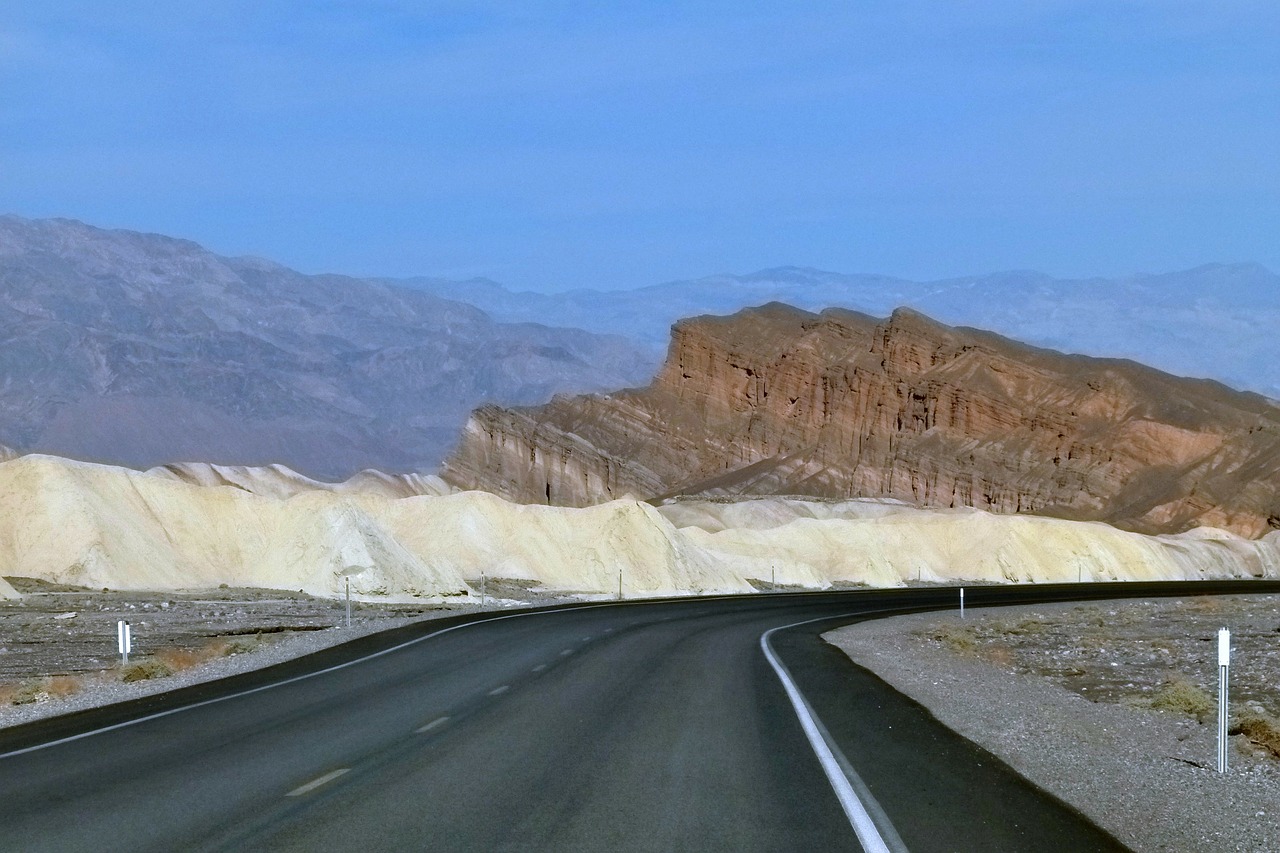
column 562, row 144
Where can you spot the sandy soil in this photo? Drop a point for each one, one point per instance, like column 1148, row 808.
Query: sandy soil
column 1109, row 706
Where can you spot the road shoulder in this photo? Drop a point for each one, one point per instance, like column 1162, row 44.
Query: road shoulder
column 1127, row 770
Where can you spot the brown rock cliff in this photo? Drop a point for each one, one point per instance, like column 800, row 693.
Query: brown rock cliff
column 775, row 400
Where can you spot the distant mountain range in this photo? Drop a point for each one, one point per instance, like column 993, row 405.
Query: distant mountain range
column 144, row 350
column 141, row 350
column 1215, row 321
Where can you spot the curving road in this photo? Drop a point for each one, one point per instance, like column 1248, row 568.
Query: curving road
column 639, row 726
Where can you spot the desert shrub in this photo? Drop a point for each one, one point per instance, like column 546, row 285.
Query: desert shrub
column 39, row 689
column 28, row 692
column 62, row 686
column 1026, row 626
column 1204, row 604
column 1181, row 695
column 180, row 659
column 957, row 638
column 241, row 645
column 1261, row 729
column 999, row 655
column 146, row 669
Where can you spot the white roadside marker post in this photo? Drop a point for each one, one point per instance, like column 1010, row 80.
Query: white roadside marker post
column 961, row 602
column 619, row 581
column 484, row 589
column 124, row 640
column 1224, row 664
column 346, row 574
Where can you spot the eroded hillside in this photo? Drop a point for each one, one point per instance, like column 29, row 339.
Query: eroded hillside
column 776, row 400
column 97, row 526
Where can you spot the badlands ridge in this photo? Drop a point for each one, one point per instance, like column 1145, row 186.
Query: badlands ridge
column 194, row 527
column 775, row 400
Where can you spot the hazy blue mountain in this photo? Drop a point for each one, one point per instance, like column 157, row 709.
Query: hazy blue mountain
column 1214, row 321
column 142, row 349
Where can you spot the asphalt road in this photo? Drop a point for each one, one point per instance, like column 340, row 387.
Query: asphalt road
column 643, row 726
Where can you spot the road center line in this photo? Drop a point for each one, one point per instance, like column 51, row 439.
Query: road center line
column 539, row 668
column 877, row 834
column 339, row 666
column 566, row 652
column 309, row 675
column 316, row 783
column 434, row 724
column 500, row 690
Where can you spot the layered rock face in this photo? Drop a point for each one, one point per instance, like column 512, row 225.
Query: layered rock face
column 775, row 400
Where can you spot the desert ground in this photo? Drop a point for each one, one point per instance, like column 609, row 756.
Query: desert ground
column 58, row 647
column 1110, row 706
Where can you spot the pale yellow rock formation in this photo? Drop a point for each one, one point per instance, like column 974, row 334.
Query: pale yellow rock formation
column 102, row 526
column 579, row 550
column 972, row 545
column 763, row 513
column 280, row 481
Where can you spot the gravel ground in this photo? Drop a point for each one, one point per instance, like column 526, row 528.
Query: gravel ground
column 1101, row 705
column 58, row 644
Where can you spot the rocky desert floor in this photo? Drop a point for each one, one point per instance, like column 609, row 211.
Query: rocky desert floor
column 1110, row 706
column 58, row 647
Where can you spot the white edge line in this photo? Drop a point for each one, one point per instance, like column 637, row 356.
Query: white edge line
column 136, row 720
column 159, row 714
column 855, row 798
column 316, row 783
column 434, row 724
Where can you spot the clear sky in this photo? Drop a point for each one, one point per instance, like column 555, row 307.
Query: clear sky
column 577, row 144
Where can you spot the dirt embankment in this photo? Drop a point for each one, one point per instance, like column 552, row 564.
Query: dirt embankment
column 1109, row 706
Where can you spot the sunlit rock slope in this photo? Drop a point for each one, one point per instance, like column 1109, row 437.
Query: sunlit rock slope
column 279, row 481
column 102, row 526
column 775, row 400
